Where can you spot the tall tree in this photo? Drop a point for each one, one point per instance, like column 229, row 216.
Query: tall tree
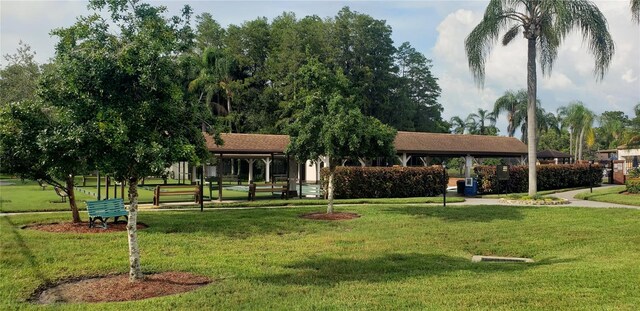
column 420, row 88
column 19, row 77
column 331, row 124
column 124, row 82
column 612, row 127
column 635, row 10
column 544, row 23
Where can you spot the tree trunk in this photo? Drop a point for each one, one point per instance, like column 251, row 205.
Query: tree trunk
column 135, row 272
column 531, row 115
column 570, row 141
column 332, row 171
column 580, row 144
column 72, row 198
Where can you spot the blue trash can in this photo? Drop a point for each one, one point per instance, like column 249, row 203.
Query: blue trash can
column 470, row 187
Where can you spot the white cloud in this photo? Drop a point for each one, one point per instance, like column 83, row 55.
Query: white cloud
column 629, row 77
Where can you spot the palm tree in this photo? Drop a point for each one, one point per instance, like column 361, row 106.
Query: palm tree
column 635, row 10
column 458, row 125
column 216, row 74
column 512, row 103
column 544, row 24
column 481, row 118
column 579, row 120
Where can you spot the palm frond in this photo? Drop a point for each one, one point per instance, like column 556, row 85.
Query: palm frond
column 635, row 10
column 479, row 42
column 510, row 35
column 586, row 17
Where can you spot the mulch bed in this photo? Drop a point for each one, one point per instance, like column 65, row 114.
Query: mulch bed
column 118, row 288
column 332, row 216
column 83, row 227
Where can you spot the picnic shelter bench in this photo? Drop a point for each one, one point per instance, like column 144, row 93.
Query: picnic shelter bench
column 169, row 190
column 277, row 186
column 105, row 209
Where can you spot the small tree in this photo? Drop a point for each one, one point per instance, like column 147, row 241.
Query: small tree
column 331, row 124
column 38, row 141
column 123, row 87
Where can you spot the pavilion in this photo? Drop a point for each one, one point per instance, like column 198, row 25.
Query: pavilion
column 417, row 145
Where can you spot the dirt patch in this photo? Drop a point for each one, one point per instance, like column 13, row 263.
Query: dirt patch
column 332, row 216
column 118, row 288
column 83, row 227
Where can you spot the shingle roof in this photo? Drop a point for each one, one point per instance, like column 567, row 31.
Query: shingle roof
column 248, row 143
column 405, row 142
column 456, row 144
column 552, row 154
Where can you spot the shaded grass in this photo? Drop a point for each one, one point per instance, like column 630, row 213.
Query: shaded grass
column 393, row 257
column 611, row 195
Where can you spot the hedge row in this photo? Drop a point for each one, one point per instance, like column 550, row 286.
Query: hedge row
column 386, row 182
column 550, row 177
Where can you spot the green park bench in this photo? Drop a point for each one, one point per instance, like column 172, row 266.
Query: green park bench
column 105, row 209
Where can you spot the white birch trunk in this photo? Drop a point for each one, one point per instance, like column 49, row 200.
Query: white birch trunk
column 332, row 171
column 135, row 272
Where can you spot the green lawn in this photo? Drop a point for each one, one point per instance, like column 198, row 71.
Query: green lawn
column 611, row 195
column 394, row 257
column 28, row 196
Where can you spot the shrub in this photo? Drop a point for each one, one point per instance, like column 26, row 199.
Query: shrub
column 633, row 181
column 386, row 182
column 550, row 177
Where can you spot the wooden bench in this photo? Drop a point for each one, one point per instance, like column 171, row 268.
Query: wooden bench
column 165, row 190
column 42, row 184
column 105, row 209
column 61, row 193
column 275, row 187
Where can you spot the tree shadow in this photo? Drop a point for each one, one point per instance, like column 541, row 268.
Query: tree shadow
column 325, row 271
column 482, row 213
column 26, row 252
column 237, row 223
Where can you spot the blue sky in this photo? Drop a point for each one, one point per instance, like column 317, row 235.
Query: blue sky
column 435, row 28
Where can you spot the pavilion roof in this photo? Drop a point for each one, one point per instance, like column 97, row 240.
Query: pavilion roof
column 457, row 144
column 405, row 142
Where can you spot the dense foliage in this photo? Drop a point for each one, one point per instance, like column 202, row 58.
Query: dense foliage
column 249, row 74
column 549, row 177
column 387, row 182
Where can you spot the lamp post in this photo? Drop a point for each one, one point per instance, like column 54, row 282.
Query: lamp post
column 444, row 181
column 590, row 180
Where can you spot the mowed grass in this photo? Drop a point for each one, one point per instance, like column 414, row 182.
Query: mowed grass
column 611, row 195
column 395, row 257
column 29, row 197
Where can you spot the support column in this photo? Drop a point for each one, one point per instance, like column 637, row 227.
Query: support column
column 267, row 163
column 98, row 186
column 404, row 159
column 251, row 161
column 219, row 173
column 425, row 160
column 468, row 162
column 363, row 163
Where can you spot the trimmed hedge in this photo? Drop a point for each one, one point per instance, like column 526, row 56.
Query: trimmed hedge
column 550, row 177
column 633, row 181
column 386, row 182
